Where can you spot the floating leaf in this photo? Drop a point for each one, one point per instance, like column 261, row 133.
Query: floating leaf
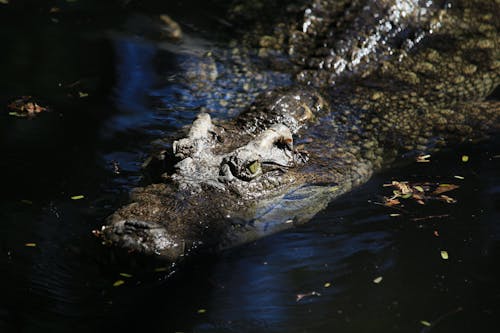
column 82, row 94
column 77, row 197
column 459, row 177
column 16, row 114
column 425, row 323
column 201, row 311
column 391, row 202
column 402, row 186
column 465, row 158
column 160, row 269
column 30, row 244
column 126, row 275
column 444, row 255
column 327, row 285
column 378, row 279
column 442, row 188
column 447, row 199
column 419, row 188
column 423, row 159
column 394, row 215
column 118, row 283
column 25, row 106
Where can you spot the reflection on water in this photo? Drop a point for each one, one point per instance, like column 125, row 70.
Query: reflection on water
column 138, row 91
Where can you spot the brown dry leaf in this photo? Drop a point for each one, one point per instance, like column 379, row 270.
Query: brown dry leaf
column 403, row 187
column 26, row 105
column 389, row 202
column 442, row 188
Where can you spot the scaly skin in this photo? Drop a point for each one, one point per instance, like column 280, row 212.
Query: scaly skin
column 411, row 80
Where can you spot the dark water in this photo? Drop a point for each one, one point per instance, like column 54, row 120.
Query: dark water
column 65, row 283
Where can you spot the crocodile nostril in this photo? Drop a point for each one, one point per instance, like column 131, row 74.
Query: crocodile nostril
column 284, row 143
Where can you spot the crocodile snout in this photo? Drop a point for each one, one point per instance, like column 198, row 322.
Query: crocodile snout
column 142, row 236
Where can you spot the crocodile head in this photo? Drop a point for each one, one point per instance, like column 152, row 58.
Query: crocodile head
column 233, row 182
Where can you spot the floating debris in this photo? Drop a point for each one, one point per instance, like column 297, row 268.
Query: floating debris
column 118, row 283
column 423, row 158
column 419, row 192
column 465, row 158
column 378, row 279
column 430, row 217
column 160, row 269
column 126, row 275
column 116, row 167
column 442, row 188
column 301, row 296
column 425, row 323
column 444, row 255
column 82, row 94
column 30, row 244
column 25, row 106
column 447, row 199
column 77, row 197
column 171, row 28
column 327, row 285
column 201, row 311
column 459, row 177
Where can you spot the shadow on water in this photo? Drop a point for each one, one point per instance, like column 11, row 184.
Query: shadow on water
column 94, row 146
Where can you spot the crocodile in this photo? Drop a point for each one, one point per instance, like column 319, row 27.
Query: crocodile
column 375, row 82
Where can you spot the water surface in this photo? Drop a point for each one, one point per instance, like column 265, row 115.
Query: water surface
column 94, row 146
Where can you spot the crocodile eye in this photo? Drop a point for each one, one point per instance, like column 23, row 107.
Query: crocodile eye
column 253, row 167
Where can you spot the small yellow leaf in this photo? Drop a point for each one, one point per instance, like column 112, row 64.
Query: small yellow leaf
column 377, row 280
column 425, row 323
column 327, row 285
column 459, row 177
column 201, row 311
column 465, row 158
column 161, row 269
column 444, row 255
column 419, row 188
column 30, row 244
column 118, row 283
column 77, row 197
column 126, row 275
column 82, row 94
